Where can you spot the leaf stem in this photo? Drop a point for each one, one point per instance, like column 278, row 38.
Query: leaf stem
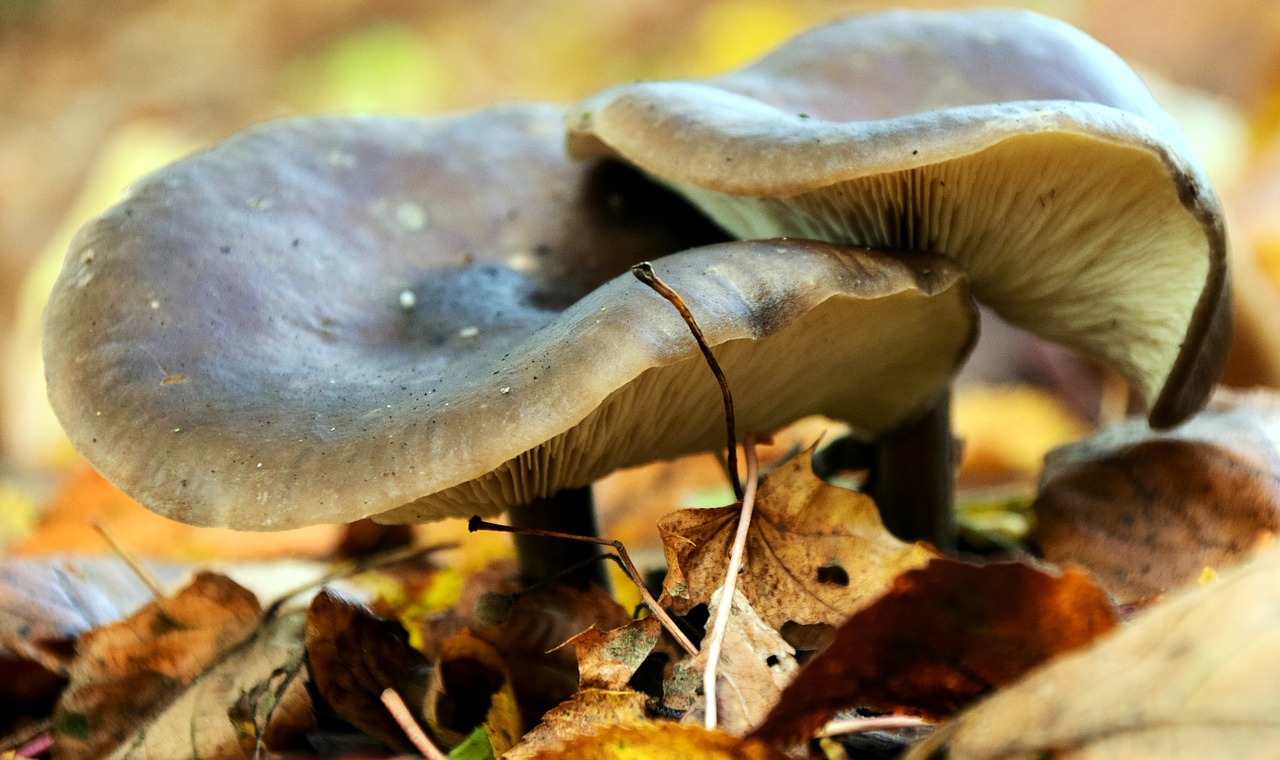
column 475, row 524
column 720, row 624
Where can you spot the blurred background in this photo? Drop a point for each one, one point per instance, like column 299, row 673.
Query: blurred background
column 95, row 92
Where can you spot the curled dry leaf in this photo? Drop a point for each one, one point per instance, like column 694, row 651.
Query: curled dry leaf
column 1191, row 677
column 608, row 659
column 662, row 741
column 470, row 687
column 815, row 553
column 354, row 656
column 606, row 662
column 942, row 636
column 162, row 682
column 755, row 665
column 1147, row 512
column 527, row 639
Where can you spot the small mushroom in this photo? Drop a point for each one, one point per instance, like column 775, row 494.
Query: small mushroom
column 1012, row 142
column 233, row 343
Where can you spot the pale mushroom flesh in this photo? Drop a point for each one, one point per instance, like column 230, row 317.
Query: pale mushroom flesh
column 1012, row 142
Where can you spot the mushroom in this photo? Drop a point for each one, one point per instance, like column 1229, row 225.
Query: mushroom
column 329, row 318
column 1012, row 142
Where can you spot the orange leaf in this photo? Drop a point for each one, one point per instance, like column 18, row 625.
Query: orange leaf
column 942, row 636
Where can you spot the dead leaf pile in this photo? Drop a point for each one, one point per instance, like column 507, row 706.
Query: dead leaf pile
column 833, row 618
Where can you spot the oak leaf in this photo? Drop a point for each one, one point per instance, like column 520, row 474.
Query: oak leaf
column 163, row 682
column 942, row 636
column 1148, row 511
column 1192, row 676
column 815, row 553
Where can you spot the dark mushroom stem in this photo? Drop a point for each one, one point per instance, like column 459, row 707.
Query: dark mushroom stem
column 541, row 559
column 913, row 479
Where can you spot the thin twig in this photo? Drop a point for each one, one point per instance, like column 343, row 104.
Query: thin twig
column 147, row 578
column 400, row 712
column 721, row 623
column 644, row 273
column 877, row 723
column 475, row 524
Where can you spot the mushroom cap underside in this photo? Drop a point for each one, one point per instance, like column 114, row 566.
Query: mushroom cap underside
column 1012, row 142
column 324, row 319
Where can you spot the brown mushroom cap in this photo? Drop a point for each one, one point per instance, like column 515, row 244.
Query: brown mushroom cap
column 322, row 319
column 1010, row 141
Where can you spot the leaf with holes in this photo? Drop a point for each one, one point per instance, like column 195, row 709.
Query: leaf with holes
column 815, row 553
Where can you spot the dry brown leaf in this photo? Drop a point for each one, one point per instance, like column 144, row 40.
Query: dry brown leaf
column 162, row 682
column 52, row 600
column 942, row 636
column 608, row 659
column 815, row 553
column 470, row 687
column 606, row 662
column 537, row 624
column 755, row 665
column 354, row 656
column 661, row 741
column 1193, row 676
column 1147, row 512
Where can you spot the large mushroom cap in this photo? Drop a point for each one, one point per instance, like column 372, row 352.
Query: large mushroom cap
column 323, row 319
column 1013, row 142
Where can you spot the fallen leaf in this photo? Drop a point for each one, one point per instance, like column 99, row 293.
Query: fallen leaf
column 1192, row 676
column 755, row 665
column 470, row 687
column 1147, row 511
column 590, row 711
column 815, row 553
column 46, row 603
column 535, row 624
column 661, row 741
column 607, row 660
column 630, row 502
column 354, row 656
column 162, row 682
column 942, row 636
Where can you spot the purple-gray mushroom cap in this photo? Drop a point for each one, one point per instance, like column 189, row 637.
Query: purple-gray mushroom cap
column 324, row 319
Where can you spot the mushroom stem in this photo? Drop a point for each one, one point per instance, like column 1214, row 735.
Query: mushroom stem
column 914, row 479
column 539, row 559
